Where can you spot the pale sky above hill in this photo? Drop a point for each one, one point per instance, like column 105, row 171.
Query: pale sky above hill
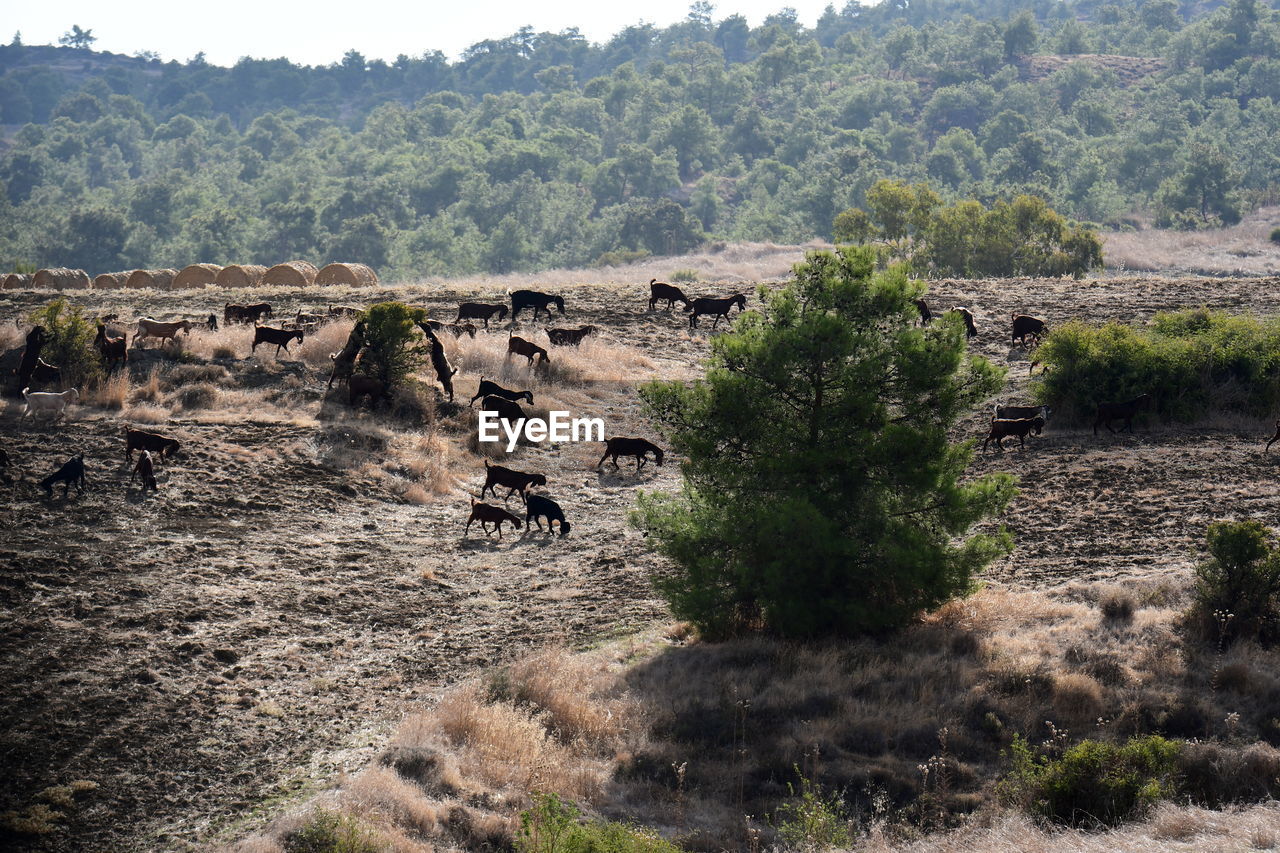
column 320, row 32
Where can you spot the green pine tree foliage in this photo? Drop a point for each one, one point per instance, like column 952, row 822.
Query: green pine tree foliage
column 395, row 349
column 822, row 495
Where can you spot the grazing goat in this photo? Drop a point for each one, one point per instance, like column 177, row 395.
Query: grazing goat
column 343, row 311
column 136, row 439
column 971, row 330
column 1108, row 412
column 522, row 299
column 72, row 471
column 637, row 447
column 488, row 388
column 1269, row 443
column 245, row 313
column 344, row 360
column 510, row 479
column 279, row 337
column 480, row 311
column 1024, row 325
column 569, row 337
column 36, row 339
column 147, row 471
column 47, row 401
column 538, row 507
column 1002, row 428
column 455, row 329
column 115, row 351
column 148, row 328
column 926, row 316
column 486, row 515
column 528, row 349
column 718, row 306
column 507, row 410
column 440, row 361
column 1015, row 412
column 360, row 385
column 659, row 290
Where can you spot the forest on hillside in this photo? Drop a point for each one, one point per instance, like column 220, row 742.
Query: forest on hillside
column 542, row 149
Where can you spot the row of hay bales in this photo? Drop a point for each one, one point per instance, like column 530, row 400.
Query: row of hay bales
column 289, row 274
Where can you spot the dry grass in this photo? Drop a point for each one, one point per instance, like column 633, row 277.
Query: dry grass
column 596, row 361
column 1243, row 249
column 686, row 739
column 112, row 393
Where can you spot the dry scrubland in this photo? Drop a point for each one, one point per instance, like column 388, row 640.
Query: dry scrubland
column 290, row 607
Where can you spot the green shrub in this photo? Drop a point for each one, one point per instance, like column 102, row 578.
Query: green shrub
column 813, row 820
column 394, row 347
column 553, row 825
column 70, row 343
column 621, row 257
column 684, row 276
column 1275, row 235
column 829, row 454
column 1237, row 591
column 329, row 832
column 1093, row 783
column 1193, row 363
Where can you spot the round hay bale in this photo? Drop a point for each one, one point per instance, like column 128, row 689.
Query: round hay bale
column 354, row 275
column 155, row 279
column 196, row 275
column 110, row 280
column 240, row 275
column 17, row 281
column 291, row 274
column 61, row 278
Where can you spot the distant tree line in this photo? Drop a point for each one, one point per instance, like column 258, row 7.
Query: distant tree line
column 543, row 149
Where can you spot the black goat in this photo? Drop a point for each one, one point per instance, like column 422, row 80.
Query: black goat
column 537, row 507
column 715, row 306
column 637, row 447
column 971, row 330
column 480, row 311
column 660, row 290
column 279, row 337
column 926, row 316
column 1108, row 412
column 488, row 388
column 1024, row 325
column 72, row 471
column 522, row 299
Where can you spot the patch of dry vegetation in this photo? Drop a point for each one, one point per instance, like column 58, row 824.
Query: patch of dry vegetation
column 1242, row 249
column 689, row 738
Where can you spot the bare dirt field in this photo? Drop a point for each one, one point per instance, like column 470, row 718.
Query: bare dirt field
column 207, row 652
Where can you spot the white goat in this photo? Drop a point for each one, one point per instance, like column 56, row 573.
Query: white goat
column 47, row 401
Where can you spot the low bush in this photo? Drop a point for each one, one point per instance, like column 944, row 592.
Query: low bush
column 329, row 832
column 553, row 826
column 1275, row 235
column 1093, row 782
column 70, row 343
column 684, row 276
column 1237, row 590
column 1192, row 363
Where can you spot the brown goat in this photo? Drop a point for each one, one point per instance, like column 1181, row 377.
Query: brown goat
column 440, row 361
column 245, row 313
column 660, row 290
column 344, row 360
column 926, row 316
column 511, row 480
column 480, row 311
column 487, row 514
column 136, row 439
column 970, row 329
column 1024, row 325
column 528, row 349
column 115, row 351
column 1002, row 428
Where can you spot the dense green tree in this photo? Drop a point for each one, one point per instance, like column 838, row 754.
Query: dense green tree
column 394, row 347
column 844, row 449
column 1205, row 188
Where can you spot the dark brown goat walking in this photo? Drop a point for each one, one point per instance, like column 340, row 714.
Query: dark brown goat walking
column 280, row 337
column 715, row 306
column 1002, row 428
column 660, row 290
column 510, row 479
column 637, row 447
column 1108, row 412
column 486, row 515
column 480, row 311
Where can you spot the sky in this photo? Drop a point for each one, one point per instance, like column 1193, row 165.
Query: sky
column 321, row 31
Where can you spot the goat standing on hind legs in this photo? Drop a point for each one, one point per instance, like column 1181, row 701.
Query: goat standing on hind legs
column 1273, row 438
